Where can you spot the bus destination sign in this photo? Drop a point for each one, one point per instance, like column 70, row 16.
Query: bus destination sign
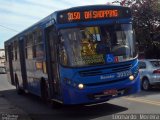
column 72, row 16
column 92, row 14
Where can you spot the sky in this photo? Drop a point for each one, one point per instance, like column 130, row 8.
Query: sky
column 17, row 15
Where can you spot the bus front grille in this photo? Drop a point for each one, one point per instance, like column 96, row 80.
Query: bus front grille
column 106, row 82
column 101, row 71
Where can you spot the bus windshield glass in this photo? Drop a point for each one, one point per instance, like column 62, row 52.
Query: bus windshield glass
column 97, row 45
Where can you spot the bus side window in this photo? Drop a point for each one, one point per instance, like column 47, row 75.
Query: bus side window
column 12, row 55
column 15, row 49
column 25, row 39
column 38, row 44
column 29, row 46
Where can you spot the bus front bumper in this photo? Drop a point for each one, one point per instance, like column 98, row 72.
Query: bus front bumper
column 96, row 94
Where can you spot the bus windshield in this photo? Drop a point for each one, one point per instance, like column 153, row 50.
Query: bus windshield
column 97, row 45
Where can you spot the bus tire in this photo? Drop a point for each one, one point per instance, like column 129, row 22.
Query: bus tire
column 44, row 91
column 18, row 89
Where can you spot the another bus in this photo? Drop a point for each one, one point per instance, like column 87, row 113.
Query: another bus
column 80, row 55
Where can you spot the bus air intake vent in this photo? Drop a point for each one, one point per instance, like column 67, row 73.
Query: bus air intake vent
column 101, row 71
column 106, row 82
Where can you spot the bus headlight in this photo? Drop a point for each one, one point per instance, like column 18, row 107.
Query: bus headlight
column 131, row 77
column 80, row 86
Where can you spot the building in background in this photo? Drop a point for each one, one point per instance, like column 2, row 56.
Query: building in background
column 2, row 57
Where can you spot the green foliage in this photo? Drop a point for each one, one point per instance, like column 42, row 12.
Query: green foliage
column 146, row 20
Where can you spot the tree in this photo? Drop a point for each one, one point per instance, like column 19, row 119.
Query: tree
column 146, row 20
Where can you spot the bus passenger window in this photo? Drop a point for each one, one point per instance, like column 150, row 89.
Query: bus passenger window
column 29, row 46
column 38, row 46
column 39, row 50
column 12, row 55
column 15, row 49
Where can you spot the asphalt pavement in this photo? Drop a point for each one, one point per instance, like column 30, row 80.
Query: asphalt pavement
column 8, row 111
column 137, row 106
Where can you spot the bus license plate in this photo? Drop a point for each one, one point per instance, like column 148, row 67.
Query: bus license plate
column 110, row 92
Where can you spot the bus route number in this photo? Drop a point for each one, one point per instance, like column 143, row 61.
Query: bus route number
column 74, row 16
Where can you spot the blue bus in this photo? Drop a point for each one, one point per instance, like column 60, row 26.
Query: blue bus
column 80, row 55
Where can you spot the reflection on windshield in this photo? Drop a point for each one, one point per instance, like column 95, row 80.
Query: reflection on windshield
column 97, row 45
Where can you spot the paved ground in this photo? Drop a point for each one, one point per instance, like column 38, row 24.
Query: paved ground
column 9, row 111
column 141, row 104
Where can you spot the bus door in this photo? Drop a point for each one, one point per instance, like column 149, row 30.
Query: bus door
column 52, row 62
column 23, row 62
column 10, row 60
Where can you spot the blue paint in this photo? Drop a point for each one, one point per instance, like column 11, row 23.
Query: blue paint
column 109, row 58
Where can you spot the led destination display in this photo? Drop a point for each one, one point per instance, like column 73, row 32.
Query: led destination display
column 75, row 16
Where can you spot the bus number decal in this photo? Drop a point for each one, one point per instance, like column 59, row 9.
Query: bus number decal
column 123, row 74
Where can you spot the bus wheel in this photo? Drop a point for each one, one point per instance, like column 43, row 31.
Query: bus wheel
column 44, row 91
column 18, row 89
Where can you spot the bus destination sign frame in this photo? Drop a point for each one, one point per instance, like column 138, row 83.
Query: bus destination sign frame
column 89, row 15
